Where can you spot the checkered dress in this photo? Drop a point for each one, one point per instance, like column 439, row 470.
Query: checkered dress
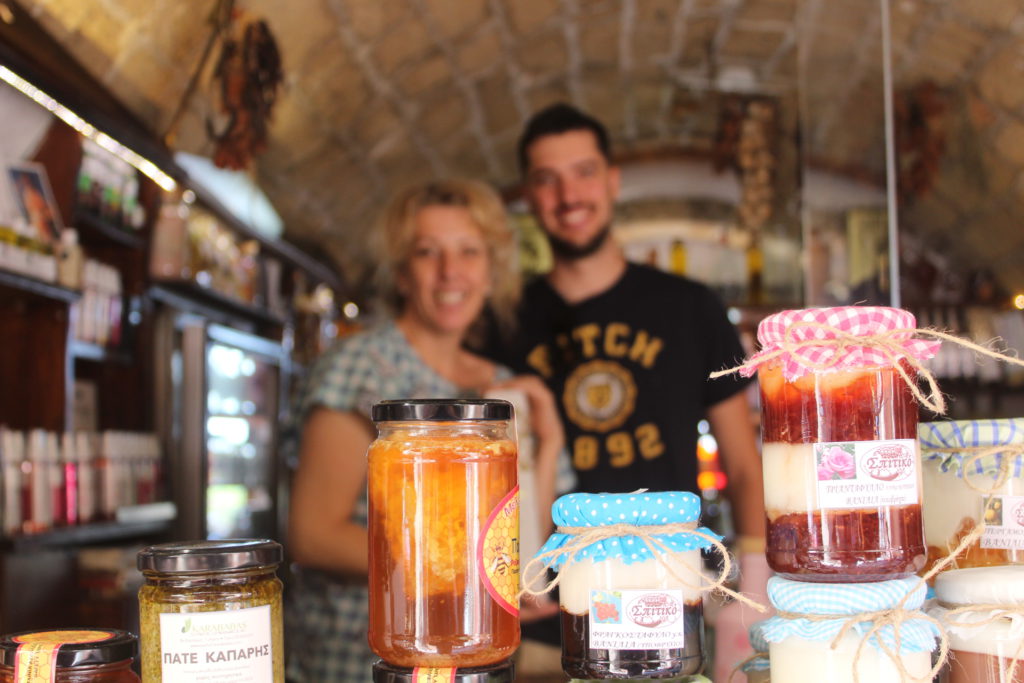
column 326, row 618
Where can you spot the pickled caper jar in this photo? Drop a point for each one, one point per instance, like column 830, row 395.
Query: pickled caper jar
column 211, row 610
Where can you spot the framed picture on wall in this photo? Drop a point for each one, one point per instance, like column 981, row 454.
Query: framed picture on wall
column 34, row 199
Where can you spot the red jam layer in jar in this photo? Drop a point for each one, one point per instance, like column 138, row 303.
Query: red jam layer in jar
column 806, row 542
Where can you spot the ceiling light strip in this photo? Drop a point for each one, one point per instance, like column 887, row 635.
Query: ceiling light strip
column 147, row 167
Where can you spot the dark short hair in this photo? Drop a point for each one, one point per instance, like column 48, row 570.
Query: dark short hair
column 561, row 118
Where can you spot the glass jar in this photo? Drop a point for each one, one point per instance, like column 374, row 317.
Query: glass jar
column 498, row 673
column 758, row 669
column 631, row 606
column 840, row 457
column 211, row 608
column 983, row 653
column 973, row 471
column 443, row 526
column 79, row 656
column 806, row 651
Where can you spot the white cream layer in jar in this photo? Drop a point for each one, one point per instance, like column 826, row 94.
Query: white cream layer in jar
column 581, row 577
column 796, row 660
column 790, row 478
column 949, row 501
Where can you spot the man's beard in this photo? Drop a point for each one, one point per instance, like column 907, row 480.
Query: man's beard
column 568, row 251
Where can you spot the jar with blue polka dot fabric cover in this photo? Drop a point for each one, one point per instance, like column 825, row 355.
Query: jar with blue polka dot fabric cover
column 629, row 584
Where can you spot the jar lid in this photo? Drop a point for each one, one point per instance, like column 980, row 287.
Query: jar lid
column 75, row 647
column 441, row 410
column 208, row 556
column 981, row 586
column 845, row 601
column 805, row 340
column 940, row 441
column 638, row 509
column 502, row 672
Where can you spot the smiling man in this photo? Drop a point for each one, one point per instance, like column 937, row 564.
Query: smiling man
column 627, row 349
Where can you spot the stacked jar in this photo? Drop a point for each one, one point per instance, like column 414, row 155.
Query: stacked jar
column 630, row 585
column 842, row 480
column 974, row 473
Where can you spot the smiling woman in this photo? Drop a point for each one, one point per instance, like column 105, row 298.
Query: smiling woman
column 447, row 251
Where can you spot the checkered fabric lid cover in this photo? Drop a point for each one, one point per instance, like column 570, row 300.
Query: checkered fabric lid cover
column 638, row 509
column 842, row 600
column 774, row 331
column 972, row 434
column 759, row 644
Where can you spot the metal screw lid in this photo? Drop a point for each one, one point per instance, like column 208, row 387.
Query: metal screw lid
column 502, row 672
column 441, row 410
column 209, row 556
column 100, row 646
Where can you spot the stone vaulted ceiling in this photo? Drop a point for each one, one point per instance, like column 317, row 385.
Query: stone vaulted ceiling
column 382, row 92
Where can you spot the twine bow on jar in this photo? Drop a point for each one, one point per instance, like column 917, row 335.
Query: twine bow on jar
column 583, row 537
column 828, row 345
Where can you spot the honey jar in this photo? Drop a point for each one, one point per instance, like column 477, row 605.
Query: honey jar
column 444, row 533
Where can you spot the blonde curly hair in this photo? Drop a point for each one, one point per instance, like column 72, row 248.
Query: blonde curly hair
column 396, row 229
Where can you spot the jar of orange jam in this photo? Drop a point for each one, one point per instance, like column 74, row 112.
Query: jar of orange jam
column 444, row 533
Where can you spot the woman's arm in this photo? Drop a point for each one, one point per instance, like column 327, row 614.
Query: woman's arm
column 329, row 480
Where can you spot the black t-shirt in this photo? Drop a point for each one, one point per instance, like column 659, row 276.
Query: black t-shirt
column 629, row 370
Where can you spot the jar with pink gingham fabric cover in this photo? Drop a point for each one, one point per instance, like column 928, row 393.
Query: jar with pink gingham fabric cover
column 842, row 469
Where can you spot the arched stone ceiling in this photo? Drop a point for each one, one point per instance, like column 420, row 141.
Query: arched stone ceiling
column 382, row 92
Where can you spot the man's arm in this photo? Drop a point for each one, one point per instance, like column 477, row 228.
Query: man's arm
column 737, row 445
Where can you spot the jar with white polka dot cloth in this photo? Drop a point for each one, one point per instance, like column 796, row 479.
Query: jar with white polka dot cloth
column 629, row 584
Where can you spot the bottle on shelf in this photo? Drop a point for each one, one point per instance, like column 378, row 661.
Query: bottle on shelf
column 87, row 480
column 55, row 480
column 38, row 512
column 12, row 452
column 69, row 464
column 69, row 260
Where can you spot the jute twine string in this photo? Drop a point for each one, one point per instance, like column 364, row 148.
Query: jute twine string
column 1001, row 612
column 587, row 535
column 889, row 343
column 894, row 617
column 976, row 453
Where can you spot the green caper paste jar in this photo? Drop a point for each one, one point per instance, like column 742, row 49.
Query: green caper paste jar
column 211, row 610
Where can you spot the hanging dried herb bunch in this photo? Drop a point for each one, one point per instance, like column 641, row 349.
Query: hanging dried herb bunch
column 247, row 74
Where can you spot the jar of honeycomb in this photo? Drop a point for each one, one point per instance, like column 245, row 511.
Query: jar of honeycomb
column 444, row 527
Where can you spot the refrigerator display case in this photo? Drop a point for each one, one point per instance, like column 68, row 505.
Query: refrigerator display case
column 219, row 423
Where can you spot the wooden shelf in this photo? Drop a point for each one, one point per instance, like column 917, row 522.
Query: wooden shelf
column 86, row 534
column 186, row 294
column 94, row 352
column 97, row 226
column 31, row 285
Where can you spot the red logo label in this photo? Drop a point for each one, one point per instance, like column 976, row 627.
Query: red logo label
column 1018, row 514
column 654, row 609
column 891, row 462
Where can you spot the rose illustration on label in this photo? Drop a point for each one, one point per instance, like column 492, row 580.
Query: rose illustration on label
column 654, row 609
column 836, row 462
column 891, row 462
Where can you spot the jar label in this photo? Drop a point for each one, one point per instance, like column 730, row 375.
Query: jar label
column 636, row 619
column 232, row 646
column 498, row 553
column 36, row 659
column 867, row 474
column 433, row 675
column 1004, row 523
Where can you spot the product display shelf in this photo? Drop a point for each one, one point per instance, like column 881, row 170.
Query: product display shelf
column 186, row 294
column 31, row 285
column 81, row 350
column 86, row 534
column 91, row 225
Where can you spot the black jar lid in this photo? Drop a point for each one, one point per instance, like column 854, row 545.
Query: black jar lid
column 441, row 410
column 93, row 646
column 502, row 672
column 194, row 557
